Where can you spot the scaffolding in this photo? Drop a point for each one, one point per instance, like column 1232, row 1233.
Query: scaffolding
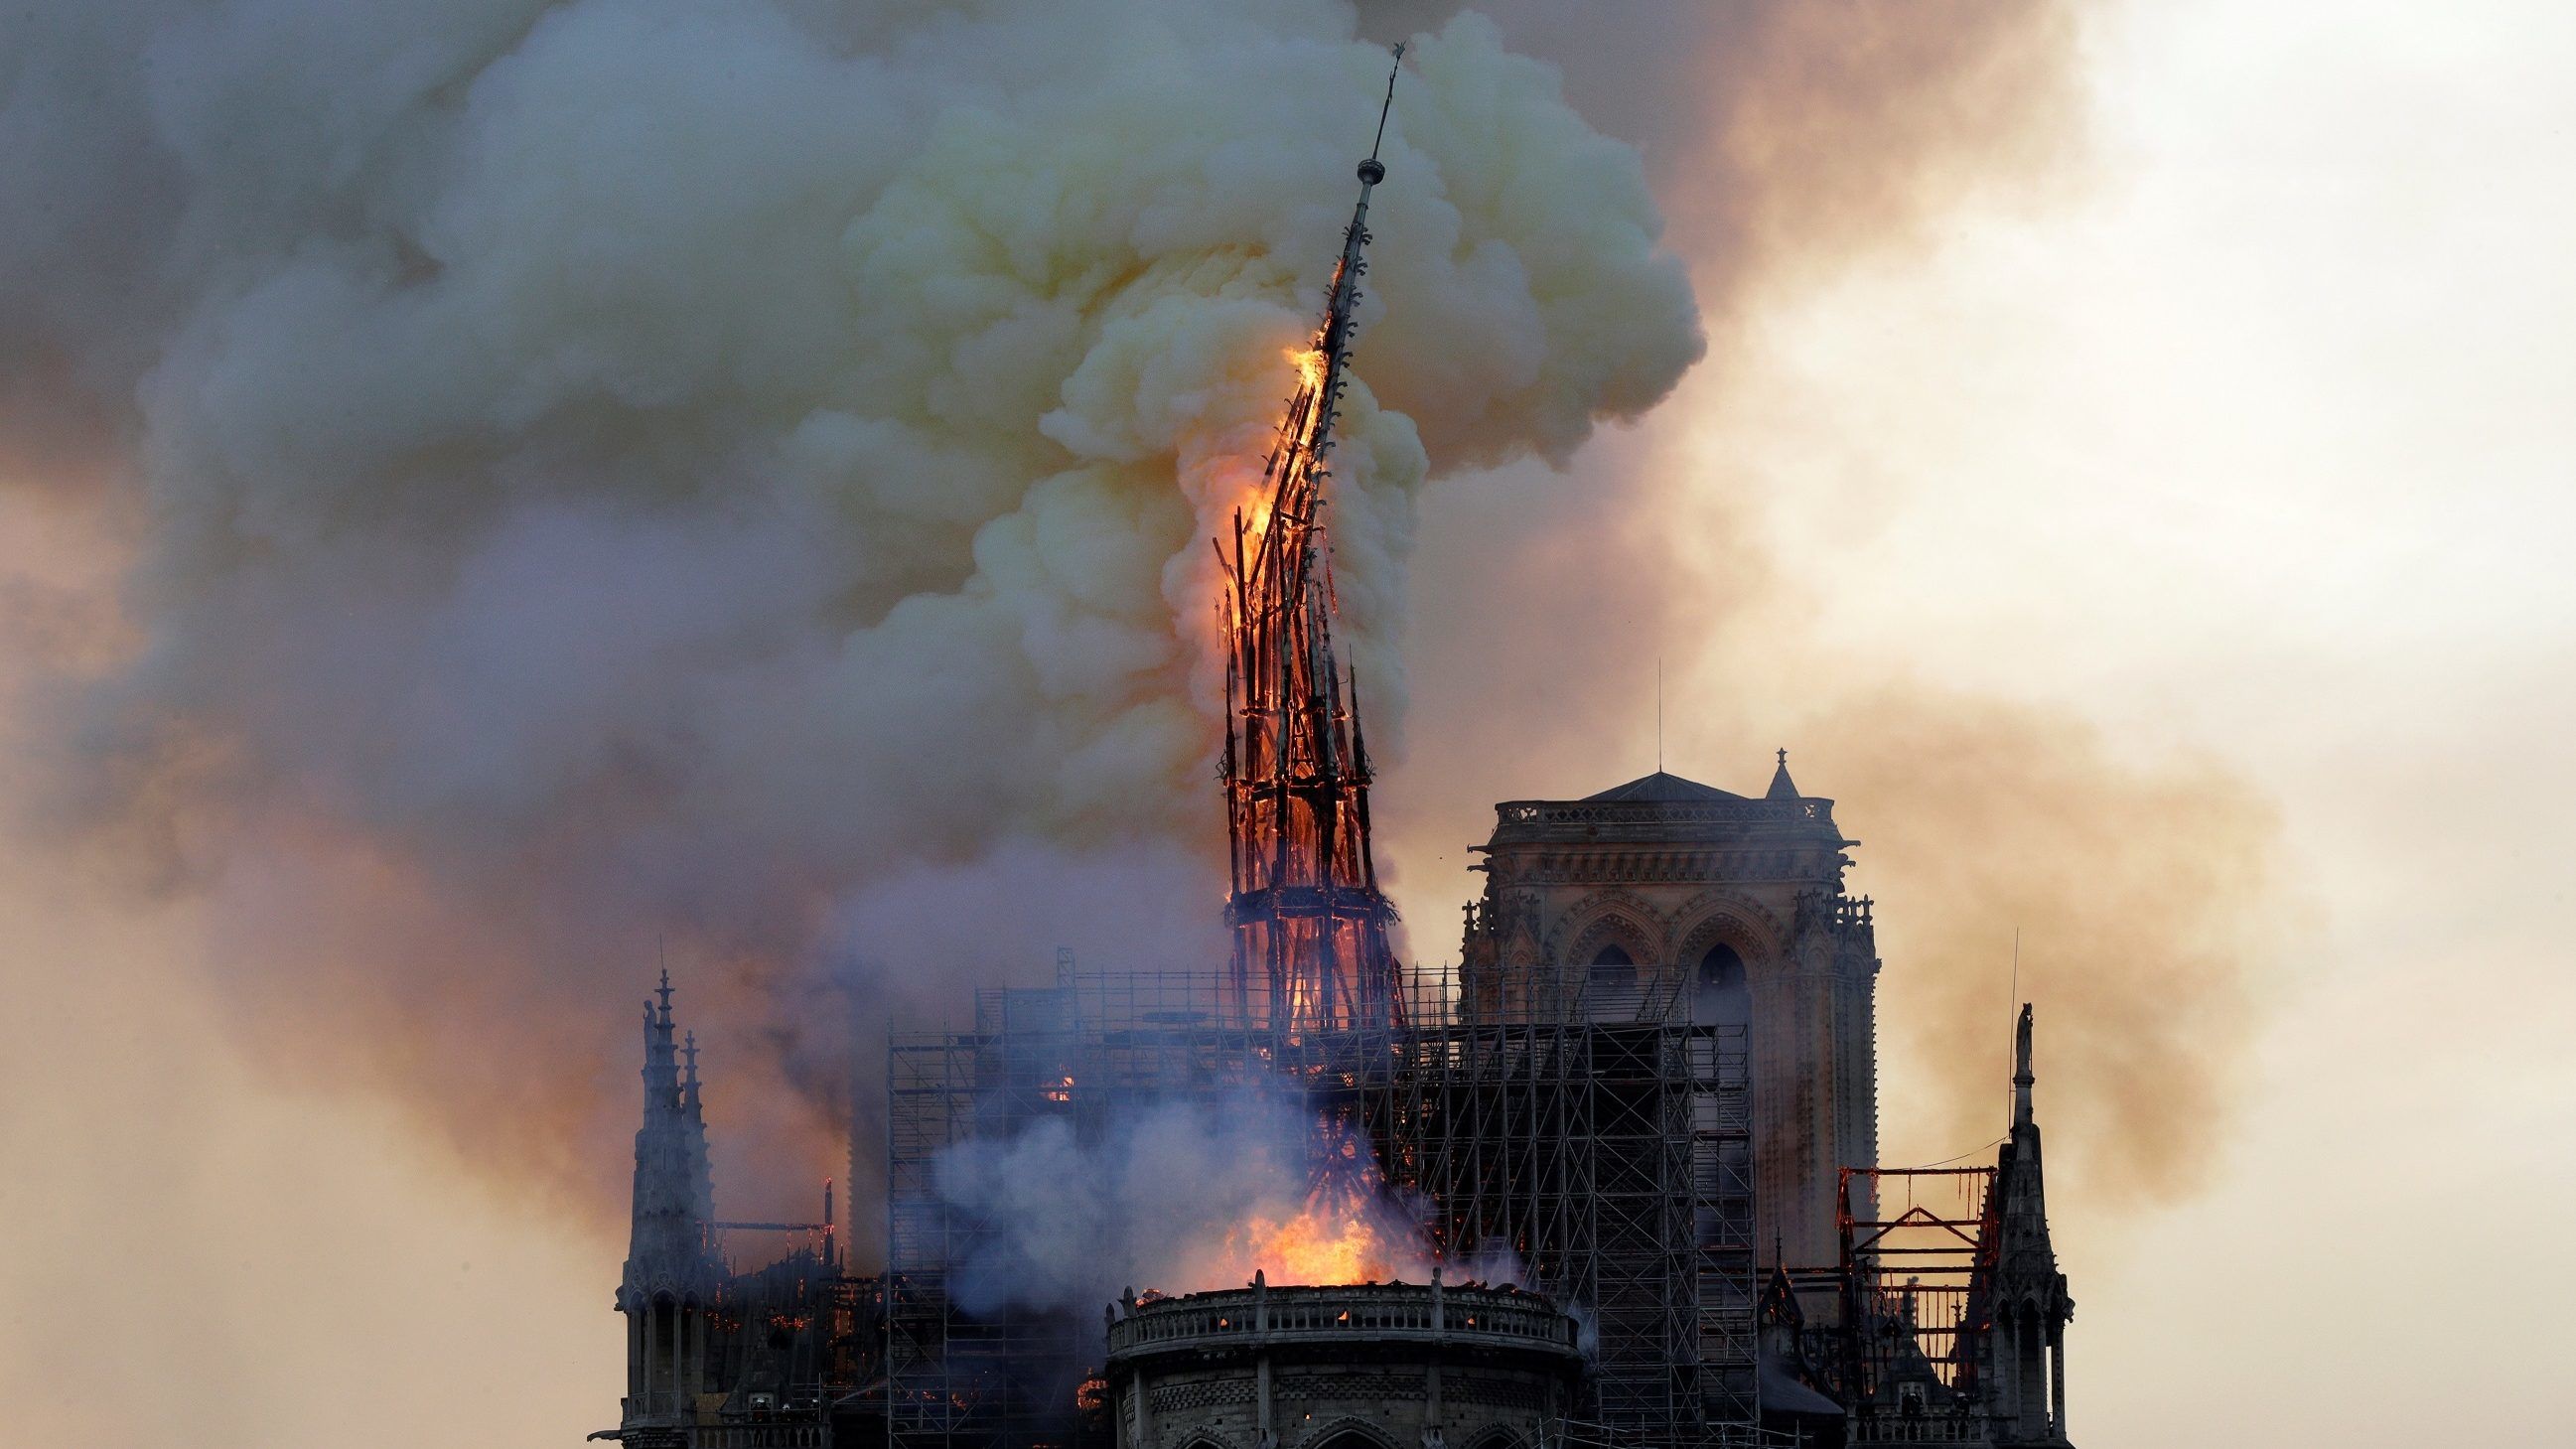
column 1917, row 1277
column 1608, row 1148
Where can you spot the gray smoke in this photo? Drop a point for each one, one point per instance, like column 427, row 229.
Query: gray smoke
column 727, row 473
column 1177, row 1196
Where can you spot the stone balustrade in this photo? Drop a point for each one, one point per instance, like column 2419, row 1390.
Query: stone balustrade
column 1389, row 1312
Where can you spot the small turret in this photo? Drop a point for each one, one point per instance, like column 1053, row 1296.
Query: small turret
column 1782, row 787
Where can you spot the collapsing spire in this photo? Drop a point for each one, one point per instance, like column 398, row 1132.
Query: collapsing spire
column 1308, row 919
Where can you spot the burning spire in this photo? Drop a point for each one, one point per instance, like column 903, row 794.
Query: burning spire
column 1309, row 923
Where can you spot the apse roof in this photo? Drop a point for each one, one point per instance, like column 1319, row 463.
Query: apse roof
column 1661, row 786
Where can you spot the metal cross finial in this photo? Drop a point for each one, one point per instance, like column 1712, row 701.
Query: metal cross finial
column 1784, row 759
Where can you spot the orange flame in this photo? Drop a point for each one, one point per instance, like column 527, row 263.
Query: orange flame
column 1309, row 362
column 1238, row 489
column 1254, row 491
column 1333, row 1239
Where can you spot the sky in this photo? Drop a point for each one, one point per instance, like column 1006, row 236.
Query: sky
column 2266, row 447
column 2244, row 435
column 2258, row 440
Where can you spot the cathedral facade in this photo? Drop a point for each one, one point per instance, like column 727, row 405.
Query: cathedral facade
column 1616, row 935
column 1666, row 895
column 1655, row 1083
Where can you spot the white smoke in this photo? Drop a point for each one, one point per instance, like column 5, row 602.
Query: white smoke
column 1176, row 1196
column 720, row 468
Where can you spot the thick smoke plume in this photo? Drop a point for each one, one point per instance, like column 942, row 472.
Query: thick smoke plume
column 732, row 473
column 2145, row 895
column 509, row 482
column 1070, row 1224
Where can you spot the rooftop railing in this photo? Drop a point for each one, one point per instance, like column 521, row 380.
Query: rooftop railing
column 1386, row 1311
column 1661, row 812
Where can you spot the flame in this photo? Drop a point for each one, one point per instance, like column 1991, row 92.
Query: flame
column 1309, row 362
column 1235, row 485
column 1333, row 1239
column 1251, row 490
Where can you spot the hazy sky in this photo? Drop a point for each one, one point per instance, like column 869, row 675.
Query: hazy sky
column 2266, row 445
column 2252, row 436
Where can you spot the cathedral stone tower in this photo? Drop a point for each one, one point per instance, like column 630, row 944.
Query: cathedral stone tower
column 1667, row 896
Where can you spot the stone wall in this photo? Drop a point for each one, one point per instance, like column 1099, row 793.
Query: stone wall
column 1371, row 1367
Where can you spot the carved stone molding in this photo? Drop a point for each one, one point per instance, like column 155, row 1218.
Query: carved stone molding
column 1327, row 1431
column 1609, row 915
column 1733, row 917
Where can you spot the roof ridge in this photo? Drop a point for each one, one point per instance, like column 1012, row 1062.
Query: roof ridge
column 1663, row 785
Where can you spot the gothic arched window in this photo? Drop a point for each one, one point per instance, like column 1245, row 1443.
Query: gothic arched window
column 1353, row 1439
column 1612, row 967
column 1721, row 997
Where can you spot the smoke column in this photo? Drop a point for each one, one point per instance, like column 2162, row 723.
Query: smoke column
column 1072, row 1225
column 512, row 484
column 727, row 478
